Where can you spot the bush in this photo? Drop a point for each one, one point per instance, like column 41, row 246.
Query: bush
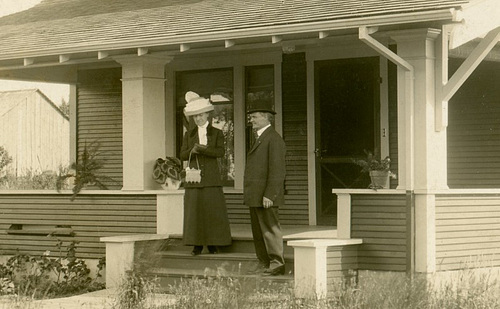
column 32, row 180
column 43, row 276
column 5, row 160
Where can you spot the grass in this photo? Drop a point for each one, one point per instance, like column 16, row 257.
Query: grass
column 468, row 289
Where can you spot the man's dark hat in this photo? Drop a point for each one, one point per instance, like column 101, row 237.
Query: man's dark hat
column 260, row 106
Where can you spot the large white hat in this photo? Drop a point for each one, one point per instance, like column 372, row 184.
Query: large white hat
column 196, row 104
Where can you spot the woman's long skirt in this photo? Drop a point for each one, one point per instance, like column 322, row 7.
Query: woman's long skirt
column 205, row 217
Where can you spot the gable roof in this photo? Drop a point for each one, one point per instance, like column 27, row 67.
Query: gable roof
column 69, row 26
column 11, row 98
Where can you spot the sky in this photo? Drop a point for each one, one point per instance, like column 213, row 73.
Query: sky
column 55, row 92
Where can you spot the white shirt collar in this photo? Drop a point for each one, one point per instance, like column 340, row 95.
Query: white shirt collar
column 259, row 132
column 202, row 134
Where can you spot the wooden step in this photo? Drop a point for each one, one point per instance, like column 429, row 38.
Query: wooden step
column 169, row 277
column 234, row 262
column 239, row 244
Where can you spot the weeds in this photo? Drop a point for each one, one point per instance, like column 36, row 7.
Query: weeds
column 43, row 276
column 388, row 291
column 136, row 292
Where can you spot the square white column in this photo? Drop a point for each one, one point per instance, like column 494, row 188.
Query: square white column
column 428, row 152
column 143, row 99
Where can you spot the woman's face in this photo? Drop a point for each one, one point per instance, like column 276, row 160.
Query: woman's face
column 200, row 119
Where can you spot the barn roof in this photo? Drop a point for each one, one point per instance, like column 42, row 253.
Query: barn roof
column 11, row 98
column 70, row 26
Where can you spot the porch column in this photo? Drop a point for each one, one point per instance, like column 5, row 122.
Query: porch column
column 143, row 91
column 428, row 152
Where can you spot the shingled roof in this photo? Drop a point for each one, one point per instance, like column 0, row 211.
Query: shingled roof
column 67, row 26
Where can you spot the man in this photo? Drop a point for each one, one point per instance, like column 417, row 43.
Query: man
column 264, row 190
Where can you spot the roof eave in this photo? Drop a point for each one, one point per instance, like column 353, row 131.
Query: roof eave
column 440, row 16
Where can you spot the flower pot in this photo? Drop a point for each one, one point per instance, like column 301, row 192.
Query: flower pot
column 171, row 184
column 380, row 179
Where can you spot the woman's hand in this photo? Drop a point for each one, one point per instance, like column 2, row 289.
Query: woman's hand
column 197, row 148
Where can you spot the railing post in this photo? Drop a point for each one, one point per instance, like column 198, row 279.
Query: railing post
column 170, row 212
column 343, row 215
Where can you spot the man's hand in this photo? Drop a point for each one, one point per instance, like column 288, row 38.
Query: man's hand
column 267, row 202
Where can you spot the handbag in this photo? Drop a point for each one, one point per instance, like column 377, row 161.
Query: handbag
column 193, row 175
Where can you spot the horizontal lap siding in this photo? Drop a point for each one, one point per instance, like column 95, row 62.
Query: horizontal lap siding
column 99, row 118
column 474, row 129
column 90, row 218
column 341, row 263
column 295, row 210
column 467, row 230
column 393, row 119
column 289, row 214
column 381, row 221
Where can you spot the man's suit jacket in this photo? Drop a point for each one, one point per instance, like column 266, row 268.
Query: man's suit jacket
column 207, row 158
column 265, row 170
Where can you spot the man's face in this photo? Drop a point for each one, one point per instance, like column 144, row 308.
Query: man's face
column 200, row 119
column 258, row 120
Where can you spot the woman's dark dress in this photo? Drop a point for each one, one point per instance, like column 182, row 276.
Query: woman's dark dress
column 205, row 214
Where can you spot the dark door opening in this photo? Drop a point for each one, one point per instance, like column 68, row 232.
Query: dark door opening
column 347, row 121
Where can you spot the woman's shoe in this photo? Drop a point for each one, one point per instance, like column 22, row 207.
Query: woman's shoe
column 197, row 250
column 213, row 249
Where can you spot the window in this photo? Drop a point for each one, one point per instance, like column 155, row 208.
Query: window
column 218, row 86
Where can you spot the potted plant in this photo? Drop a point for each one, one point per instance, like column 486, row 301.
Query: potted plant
column 168, row 173
column 378, row 169
column 85, row 171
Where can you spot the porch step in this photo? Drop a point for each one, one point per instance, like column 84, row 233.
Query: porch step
column 232, row 262
column 168, row 277
column 241, row 244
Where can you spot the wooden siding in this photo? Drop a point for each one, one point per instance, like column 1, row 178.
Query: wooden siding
column 393, row 118
column 341, row 264
column 90, row 217
column 239, row 214
column 474, row 129
column 99, row 118
column 34, row 132
column 295, row 136
column 467, row 231
column 381, row 221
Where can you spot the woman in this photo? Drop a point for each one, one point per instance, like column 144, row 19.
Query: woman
column 205, row 213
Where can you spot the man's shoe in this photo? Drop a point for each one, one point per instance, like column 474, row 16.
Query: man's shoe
column 258, row 268
column 280, row 270
column 197, row 250
column 213, row 249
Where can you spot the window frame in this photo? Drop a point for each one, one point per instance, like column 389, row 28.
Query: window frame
column 238, row 62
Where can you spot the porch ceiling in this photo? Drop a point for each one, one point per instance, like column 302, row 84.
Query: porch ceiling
column 75, row 31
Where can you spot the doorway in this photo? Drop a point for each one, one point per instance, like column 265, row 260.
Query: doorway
column 347, row 100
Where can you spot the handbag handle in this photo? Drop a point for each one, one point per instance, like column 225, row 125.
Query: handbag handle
column 197, row 162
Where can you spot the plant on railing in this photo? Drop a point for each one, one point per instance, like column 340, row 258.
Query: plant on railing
column 168, row 172
column 85, row 171
column 378, row 169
